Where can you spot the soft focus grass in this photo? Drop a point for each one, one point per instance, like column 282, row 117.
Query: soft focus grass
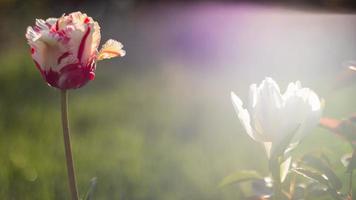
column 130, row 132
column 145, row 135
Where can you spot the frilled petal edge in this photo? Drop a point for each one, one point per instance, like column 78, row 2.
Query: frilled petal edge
column 110, row 49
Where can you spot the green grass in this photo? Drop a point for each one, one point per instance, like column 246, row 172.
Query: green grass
column 152, row 136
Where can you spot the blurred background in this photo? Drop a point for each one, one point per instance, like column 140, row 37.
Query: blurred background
column 158, row 124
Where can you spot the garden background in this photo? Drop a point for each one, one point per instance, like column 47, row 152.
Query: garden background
column 158, row 124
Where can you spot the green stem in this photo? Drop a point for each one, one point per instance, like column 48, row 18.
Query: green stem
column 275, row 170
column 350, row 184
column 67, row 145
column 351, row 175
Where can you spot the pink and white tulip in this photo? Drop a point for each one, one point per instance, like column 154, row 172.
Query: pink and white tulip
column 65, row 49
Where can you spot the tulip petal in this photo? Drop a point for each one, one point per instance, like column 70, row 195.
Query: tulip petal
column 306, row 107
column 243, row 115
column 91, row 42
column 252, row 96
column 110, row 49
column 266, row 114
column 314, row 101
column 32, row 35
column 285, row 165
column 83, row 34
column 69, row 60
column 42, row 25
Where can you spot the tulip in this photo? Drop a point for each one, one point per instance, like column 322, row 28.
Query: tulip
column 65, row 49
column 270, row 115
column 272, row 118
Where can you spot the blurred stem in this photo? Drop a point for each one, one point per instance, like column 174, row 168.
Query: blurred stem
column 292, row 186
column 67, row 146
column 275, row 168
column 351, row 175
column 350, row 184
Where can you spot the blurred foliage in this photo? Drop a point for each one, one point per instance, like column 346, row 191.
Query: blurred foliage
column 139, row 134
column 156, row 134
column 128, row 132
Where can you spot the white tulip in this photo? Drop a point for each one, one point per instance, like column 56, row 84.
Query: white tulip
column 270, row 115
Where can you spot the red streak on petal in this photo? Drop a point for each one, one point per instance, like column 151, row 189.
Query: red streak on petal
column 52, row 78
column 69, row 67
column 82, row 44
column 74, row 76
column 39, row 68
column 91, row 76
column 32, row 50
column 48, row 25
column 62, row 56
column 37, row 29
column 57, row 25
column 86, row 20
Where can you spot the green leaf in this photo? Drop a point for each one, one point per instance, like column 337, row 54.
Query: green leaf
column 345, row 159
column 240, row 176
column 319, row 165
column 299, row 192
column 277, row 158
column 284, row 168
column 90, row 192
column 320, row 178
column 352, row 164
column 256, row 197
column 315, row 189
column 313, row 175
column 262, row 187
column 347, row 128
column 325, row 158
